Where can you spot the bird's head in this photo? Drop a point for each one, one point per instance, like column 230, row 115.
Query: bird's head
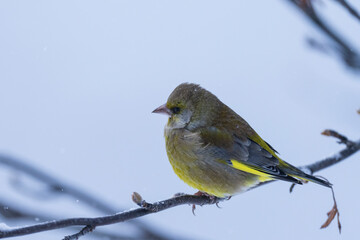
column 190, row 106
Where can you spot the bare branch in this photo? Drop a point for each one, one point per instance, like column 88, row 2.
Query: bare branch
column 158, row 206
column 78, row 194
column 85, row 230
column 333, row 159
column 342, row 138
column 111, row 219
column 342, row 48
column 348, row 7
column 14, row 212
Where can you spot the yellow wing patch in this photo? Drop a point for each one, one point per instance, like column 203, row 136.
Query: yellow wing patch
column 256, row 138
column 263, row 177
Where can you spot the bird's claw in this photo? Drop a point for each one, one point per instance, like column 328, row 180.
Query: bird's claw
column 213, row 200
column 193, row 209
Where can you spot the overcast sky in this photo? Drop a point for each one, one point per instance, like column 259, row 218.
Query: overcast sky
column 79, row 79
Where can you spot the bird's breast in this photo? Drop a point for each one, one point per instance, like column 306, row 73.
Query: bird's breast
column 182, row 145
column 199, row 168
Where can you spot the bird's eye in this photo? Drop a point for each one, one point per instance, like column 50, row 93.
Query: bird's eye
column 175, row 110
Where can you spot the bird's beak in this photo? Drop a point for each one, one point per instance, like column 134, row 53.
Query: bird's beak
column 163, row 109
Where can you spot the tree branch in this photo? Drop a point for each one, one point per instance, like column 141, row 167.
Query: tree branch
column 111, row 219
column 332, row 160
column 350, row 9
column 14, row 212
column 345, row 50
column 78, row 194
column 149, row 208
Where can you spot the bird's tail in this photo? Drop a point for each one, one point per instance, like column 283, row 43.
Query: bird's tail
column 297, row 173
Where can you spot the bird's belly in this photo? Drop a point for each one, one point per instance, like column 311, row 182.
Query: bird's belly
column 205, row 174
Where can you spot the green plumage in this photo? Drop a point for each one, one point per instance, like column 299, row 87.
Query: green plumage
column 216, row 151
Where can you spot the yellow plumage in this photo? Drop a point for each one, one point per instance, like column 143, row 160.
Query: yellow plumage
column 214, row 150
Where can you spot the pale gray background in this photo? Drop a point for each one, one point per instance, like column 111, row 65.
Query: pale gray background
column 79, row 79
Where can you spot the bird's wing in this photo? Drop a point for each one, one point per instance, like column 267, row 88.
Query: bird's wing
column 244, row 153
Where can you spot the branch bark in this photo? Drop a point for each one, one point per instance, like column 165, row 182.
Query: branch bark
column 149, row 208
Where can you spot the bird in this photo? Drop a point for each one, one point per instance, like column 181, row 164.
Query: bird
column 214, row 150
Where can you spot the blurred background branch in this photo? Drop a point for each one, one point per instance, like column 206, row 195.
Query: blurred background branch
column 352, row 11
column 341, row 46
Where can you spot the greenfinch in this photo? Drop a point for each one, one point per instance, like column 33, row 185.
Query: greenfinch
column 214, row 150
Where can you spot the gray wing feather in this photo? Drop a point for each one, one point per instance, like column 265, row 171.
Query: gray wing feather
column 250, row 153
column 256, row 155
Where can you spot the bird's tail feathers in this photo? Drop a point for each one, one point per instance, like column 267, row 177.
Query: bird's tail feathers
column 313, row 179
column 297, row 173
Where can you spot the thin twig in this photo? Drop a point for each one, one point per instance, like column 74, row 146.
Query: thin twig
column 158, row 206
column 333, row 159
column 87, row 229
column 342, row 138
column 332, row 213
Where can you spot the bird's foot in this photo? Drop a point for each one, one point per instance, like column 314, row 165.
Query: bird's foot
column 213, row 200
